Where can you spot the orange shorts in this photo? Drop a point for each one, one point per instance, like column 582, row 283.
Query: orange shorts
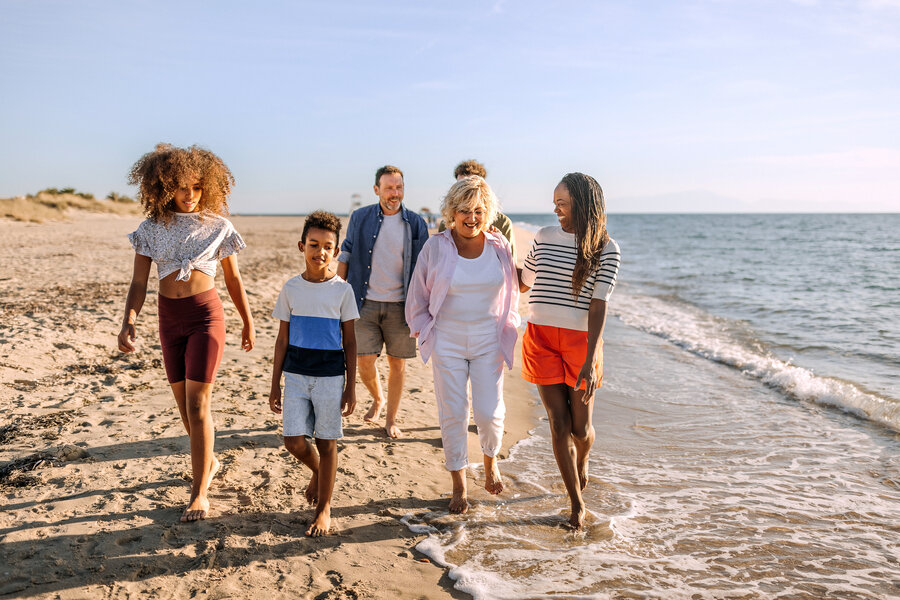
column 553, row 355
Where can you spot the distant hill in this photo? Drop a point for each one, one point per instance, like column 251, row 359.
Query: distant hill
column 52, row 204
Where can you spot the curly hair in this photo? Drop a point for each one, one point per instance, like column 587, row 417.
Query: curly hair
column 321, row 219
column 387, row 170
column 466, row 193
column 160, row 173
column 469, row 167
column 589, row 222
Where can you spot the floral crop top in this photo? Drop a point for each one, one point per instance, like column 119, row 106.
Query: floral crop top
column 189, row 242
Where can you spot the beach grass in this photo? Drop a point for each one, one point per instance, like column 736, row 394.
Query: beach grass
column 54, row 205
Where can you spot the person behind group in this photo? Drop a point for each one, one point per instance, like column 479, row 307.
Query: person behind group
column 571, row 270
column 463, row 307
column 502, row 223
column 184, row 193
column 316, row 351
column 377, row 259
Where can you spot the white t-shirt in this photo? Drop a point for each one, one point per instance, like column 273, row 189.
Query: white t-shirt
column 386, row 280
column 547, row 270
column 472, row 305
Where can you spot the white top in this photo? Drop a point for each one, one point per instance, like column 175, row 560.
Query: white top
column 386, row 281
column 191, row 241
column 472, row 305
column 548, row 272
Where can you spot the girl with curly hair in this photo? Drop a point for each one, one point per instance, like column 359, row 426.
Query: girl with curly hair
column 184, row 192
column 571, row 270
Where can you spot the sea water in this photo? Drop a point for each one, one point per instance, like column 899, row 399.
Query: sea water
column 747, row 428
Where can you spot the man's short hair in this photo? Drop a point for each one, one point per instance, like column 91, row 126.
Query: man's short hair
column 469, row 167
column 321, row 219
column 387, row 170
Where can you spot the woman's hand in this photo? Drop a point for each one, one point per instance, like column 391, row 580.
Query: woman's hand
column 248, row 337
column 127, row 337
column 588, row 374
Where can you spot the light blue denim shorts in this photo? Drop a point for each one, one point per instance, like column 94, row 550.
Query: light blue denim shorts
column 312, row 406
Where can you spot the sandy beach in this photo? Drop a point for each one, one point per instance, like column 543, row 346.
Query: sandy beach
column 94, row 469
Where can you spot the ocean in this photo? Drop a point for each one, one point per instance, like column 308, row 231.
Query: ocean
column 747, row 428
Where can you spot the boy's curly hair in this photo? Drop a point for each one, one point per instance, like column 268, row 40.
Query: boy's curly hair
column 160, row 173
column 321, row 219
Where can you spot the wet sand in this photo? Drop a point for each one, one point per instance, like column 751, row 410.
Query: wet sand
column 94, row 462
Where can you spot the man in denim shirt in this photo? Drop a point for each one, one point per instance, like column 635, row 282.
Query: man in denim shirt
column 377, row 259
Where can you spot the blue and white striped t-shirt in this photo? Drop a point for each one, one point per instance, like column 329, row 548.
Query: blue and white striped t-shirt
column 315, row 312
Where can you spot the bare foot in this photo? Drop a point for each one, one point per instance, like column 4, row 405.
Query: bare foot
column 321, row 526
column 312, row 490
column 213, row 470
column 373, row 412
column 493, row 482
column 577, row 518
column 583, row 472
column 196, row 510
column 392, row 430
column 459, row 504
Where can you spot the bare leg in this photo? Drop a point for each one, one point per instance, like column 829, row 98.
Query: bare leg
column 582, row 432
column 556, row 401
column 396, row 375
column 459, row 502
column 202, row 435
column 321, row 525
column 368, row 372
column 303, row 451
column 493, row 482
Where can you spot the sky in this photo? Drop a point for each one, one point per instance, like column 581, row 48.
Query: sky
column 673, row 106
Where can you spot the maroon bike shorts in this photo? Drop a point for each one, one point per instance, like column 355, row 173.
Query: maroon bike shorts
column 192, row 335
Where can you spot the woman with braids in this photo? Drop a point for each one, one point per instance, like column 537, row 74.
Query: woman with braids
column 571, row 271
column 184, row 192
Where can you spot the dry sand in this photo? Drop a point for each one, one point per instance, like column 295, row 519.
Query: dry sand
column 94, row 464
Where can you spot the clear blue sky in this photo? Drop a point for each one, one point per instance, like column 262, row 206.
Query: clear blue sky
column 757, row 105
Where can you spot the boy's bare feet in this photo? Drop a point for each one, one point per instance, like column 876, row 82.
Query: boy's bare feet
column 312, row 490
column 321, row 526
column 583, row 471
column 493, row 482
column 392, row 431
column 373, row 412
column 196, row 510
column 578, row 513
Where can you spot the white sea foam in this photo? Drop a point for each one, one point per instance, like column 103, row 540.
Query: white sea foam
column 720, row 340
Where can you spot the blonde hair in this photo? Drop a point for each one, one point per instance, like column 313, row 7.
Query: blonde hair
column 466, row 193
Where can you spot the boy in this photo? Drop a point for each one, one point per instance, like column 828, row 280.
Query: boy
column 316, row 351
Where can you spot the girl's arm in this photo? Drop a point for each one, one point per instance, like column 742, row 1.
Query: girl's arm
column 137, row 293
column 348, row 335
column 235, row 286
column 281, row 344
column 588, row 374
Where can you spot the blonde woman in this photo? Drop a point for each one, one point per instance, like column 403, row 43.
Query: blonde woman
column 462, row 307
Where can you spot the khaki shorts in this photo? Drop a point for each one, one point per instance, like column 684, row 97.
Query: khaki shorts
column 383, row 324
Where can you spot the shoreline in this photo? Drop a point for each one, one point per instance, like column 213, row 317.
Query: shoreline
column 99, row 513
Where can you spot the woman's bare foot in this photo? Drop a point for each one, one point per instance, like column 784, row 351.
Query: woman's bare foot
column 321, row 526
column 493, row 482
column 392, row 431
column 213, row 470
column 312, row 490
column 583, row 477
column 578, row 513
column 196, row 510
column 459, row 502
column 373, row 412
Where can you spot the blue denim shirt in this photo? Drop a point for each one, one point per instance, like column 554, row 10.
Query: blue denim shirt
column 362, row 231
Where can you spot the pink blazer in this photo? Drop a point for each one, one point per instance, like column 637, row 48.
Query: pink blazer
column 431, row 281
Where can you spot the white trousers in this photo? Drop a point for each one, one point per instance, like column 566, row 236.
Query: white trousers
column 456, row 361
